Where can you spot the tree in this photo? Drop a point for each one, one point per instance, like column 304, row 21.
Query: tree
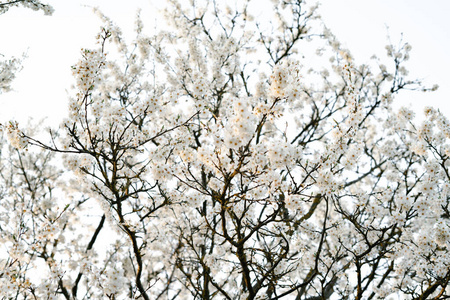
column 222, row 159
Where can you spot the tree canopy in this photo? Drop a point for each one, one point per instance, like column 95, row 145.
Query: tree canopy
column 231, row 154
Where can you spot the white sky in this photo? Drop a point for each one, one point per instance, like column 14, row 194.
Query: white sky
column 53, row 44
column 361, row 25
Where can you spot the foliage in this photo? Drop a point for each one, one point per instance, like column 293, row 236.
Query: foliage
column 222, row 160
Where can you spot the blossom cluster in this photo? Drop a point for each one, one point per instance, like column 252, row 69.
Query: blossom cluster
column 87, row 71
column 31, row 4
column 8, row 70
column 15, row 137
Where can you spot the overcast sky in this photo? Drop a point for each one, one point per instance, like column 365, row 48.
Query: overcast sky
column 53, row 44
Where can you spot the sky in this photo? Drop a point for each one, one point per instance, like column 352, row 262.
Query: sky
column 425, row 25
column 52, row 44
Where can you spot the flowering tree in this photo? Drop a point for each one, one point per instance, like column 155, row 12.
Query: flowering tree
column 223, row 160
